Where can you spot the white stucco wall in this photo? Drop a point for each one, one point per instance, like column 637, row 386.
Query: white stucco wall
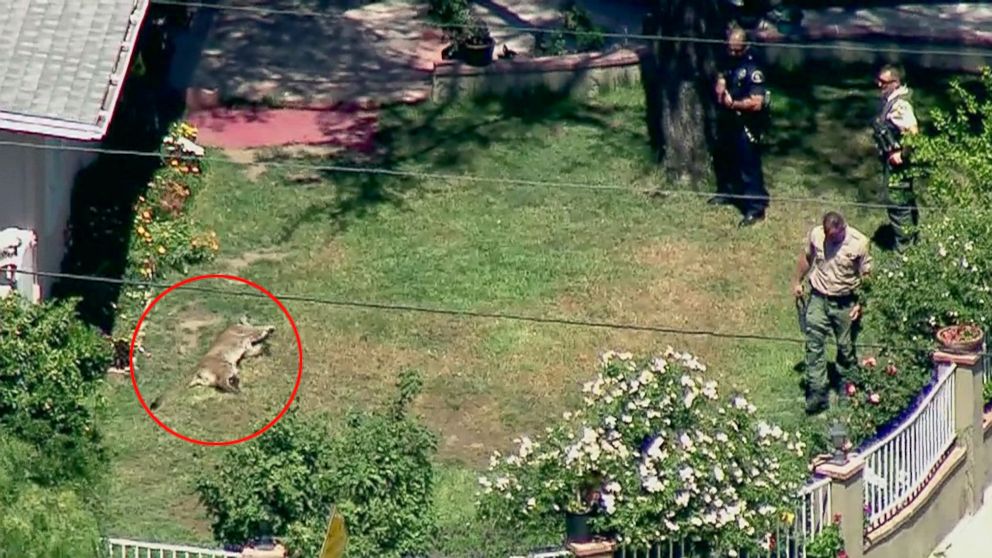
column 36, row 192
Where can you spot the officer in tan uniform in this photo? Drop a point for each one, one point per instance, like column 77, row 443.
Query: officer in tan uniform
column 835, row 258
column 895, row 120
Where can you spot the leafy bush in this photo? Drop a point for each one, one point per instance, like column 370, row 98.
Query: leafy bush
column 38, row 521
column 828, row 543
column 51, row 366
column 378, row 472
column 588, row 35
column 956, row 158
column 448, row 11
column 658, row 455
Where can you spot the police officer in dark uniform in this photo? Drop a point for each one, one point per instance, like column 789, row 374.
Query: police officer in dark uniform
column 742, row 94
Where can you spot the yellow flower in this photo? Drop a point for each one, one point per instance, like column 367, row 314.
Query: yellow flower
column 788, row 517
column 161, row 249
column 141, row 230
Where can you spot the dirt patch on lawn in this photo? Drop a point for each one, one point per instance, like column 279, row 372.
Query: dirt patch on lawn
column 247, row 159
column 255, row 161
column 247, row 259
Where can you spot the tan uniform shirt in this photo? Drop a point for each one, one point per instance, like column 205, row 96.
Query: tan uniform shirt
column 837, row 272
column 902, row 114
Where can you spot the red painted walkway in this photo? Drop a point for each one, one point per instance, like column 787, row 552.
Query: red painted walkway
column 348, row 127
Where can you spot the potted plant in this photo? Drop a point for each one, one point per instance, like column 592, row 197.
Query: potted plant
column 961, row 338
column 580, row 509
column 474, row 44
column 828, row 543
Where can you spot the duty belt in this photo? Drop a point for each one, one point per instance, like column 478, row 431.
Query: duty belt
column 835, row 298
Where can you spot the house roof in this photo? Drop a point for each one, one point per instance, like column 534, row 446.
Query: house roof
column 62, row 64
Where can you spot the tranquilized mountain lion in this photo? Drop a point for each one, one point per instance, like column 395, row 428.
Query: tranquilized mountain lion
column 219, row 366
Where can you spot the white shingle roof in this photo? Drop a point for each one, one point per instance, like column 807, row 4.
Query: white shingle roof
column 62, row 63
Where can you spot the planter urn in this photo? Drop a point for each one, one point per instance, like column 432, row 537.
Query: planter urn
column 961, row 338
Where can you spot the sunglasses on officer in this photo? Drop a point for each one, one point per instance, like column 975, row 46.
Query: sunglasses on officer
column 884, row 80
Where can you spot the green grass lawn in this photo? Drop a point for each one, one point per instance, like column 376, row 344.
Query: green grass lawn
column 617, row 256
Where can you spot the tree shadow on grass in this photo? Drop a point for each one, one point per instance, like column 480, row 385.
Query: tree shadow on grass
column 435, row 141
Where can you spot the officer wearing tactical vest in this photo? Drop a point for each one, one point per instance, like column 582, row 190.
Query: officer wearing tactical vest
column 834, row 259
column 742, row 93
column 894, row 120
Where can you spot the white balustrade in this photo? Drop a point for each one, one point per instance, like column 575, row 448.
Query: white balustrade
column 898, row 466
column 125, row 548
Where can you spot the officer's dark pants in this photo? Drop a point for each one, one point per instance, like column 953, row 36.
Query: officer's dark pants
column 904, row 216
column 828, row 315
column 724, row 157
column 751, row 177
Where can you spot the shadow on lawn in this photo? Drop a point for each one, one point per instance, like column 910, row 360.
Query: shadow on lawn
column 444, row 139
column 817, row 121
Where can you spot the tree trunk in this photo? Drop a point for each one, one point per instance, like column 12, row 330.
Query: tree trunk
column 678, row 79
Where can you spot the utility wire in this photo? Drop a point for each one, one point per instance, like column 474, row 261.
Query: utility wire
column 395, row 307
column 851, row 46
column 486, row 179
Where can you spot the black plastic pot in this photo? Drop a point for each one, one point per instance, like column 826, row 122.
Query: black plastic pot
column 477, row 55
column 577, row 528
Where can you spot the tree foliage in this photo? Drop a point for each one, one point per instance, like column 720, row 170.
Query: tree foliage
column 40, row 521
column 51, row 366
column 377, row 470
column 955, row 158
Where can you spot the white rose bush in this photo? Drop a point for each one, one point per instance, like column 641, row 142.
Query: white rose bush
column 656, row 454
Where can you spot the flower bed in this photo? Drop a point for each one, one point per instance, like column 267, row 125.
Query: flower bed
column 164, row 239
column 656, row 454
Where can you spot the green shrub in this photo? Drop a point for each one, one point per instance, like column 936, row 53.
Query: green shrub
column 38, row 521
column 377, row 470
column 448, row 11
column 588, row 36
column 955, row 159
column 51, row 368
column 828, row 543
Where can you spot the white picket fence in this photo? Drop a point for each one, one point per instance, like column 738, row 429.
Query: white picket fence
column 898, row 466
column 125, row 548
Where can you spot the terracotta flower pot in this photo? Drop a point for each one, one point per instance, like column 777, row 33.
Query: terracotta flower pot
column 962, row 338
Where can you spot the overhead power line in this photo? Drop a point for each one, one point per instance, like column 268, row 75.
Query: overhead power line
column 849, row 46
column 396, row 307
column 483, row 179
